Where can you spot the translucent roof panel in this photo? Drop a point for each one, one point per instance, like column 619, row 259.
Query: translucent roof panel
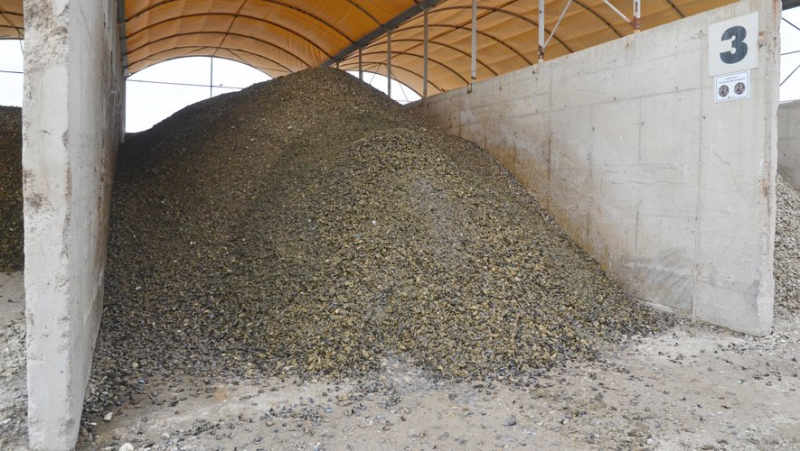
column 279, row 37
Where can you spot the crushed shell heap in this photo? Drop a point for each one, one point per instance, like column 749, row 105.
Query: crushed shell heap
column 310, row 226
column 11, row 232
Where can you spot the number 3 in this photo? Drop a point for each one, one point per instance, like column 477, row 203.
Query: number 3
column 738, row 47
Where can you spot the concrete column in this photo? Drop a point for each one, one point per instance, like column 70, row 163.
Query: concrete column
column 71, row 128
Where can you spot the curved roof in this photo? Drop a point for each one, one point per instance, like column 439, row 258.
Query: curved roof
column 11, row 19
column 283, row 36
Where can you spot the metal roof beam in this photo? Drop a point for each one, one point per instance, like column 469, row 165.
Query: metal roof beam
column 451, row 47
column 381, row 30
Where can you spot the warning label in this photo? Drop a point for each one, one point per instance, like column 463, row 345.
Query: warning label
column 732, row 86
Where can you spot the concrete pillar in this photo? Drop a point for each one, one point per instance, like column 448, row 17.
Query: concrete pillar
column 71, row 129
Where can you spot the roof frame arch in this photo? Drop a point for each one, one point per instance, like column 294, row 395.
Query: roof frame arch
column 464, row 28
column 366, row 13
column 211, row 47
column 490, row 10
column 314, row 17
column 400, row 53
column 400, row 67
column 224, row 34
column 430, row 41
column 675, row 8
column 598, row 16
column 234, row 16
column 19, row 30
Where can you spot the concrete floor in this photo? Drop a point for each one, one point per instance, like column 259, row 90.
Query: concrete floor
column 13, row 393
column 12, row 296
column 692, row 387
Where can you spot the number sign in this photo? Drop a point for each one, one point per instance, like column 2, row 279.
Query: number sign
column 733, row 45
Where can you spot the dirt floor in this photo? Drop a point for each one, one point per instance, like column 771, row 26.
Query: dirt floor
column 13, row 395
column 693, row 387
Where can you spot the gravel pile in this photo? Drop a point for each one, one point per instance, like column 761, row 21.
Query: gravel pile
column 310, row 226
column 787, row 250
column 11, row 254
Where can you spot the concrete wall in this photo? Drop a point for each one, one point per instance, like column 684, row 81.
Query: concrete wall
column 626, row 148
column 789, row 142
column 70, row 134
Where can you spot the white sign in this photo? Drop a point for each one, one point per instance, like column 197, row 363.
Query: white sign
column 732, row 87
column 733, row 45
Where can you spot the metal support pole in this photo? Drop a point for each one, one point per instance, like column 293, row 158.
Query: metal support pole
column 211, row 80
column 637, row 15
column 619, row 13
column 541, row 31
column 425, row 55
column 360, row 66
column 389, row 64
column 474, row 71
column 789, row 76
